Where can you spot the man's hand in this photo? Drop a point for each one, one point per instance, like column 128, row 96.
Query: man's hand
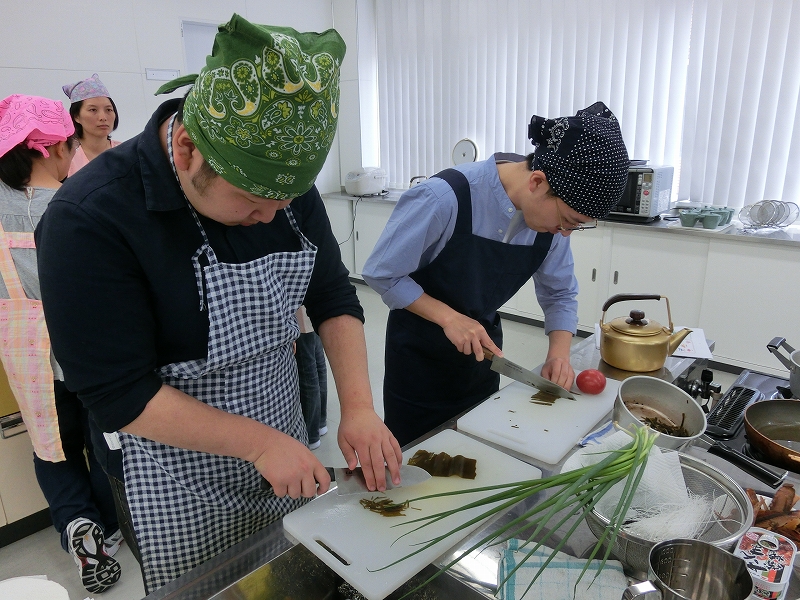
column 291, row 468
column 466, row 334
column 556, row 367
column 469, row 336
column 364, row 439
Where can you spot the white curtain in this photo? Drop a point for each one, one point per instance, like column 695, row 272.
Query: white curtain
column 706, row 86
column 741, row 141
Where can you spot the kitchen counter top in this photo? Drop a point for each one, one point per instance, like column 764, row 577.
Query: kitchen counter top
column 668, row 224
column 269, row 561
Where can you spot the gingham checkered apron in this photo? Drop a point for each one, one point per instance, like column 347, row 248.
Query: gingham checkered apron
column 189, row 506
column 25, row 352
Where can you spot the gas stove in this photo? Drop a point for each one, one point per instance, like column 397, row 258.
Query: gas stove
column 726, row 425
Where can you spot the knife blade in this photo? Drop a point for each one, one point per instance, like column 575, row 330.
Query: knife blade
column 351, row 481
column 517, row 373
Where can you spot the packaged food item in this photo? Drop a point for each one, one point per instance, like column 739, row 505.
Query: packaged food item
column 769, row 557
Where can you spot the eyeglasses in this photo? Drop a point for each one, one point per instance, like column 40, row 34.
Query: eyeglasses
column 579, row 227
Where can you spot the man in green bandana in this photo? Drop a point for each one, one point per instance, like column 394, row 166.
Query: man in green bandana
column 171, row 270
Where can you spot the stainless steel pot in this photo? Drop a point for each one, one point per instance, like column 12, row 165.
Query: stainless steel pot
column 792, row 362
column 692, row 570
column 642, row 396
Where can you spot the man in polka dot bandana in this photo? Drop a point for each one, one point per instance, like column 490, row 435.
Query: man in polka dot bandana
column 460, row 245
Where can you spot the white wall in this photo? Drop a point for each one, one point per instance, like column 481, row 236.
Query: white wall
column 54, row 42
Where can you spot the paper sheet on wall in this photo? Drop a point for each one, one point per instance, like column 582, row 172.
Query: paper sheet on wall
column 695, row 345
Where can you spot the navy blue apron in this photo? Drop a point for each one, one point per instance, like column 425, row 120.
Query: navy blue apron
column 427, row 380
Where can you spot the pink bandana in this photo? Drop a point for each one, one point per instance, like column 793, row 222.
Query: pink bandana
column 37, row 121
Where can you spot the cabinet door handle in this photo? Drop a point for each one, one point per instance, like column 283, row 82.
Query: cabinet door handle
column 356, row 235
column 594, row 274
column 616, row 277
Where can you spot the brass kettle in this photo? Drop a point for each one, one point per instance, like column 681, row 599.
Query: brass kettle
column 634, row 343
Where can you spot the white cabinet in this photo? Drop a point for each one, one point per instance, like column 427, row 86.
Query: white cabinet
column 370, row 220
column 591, row 271
column 657, row 262
column 340, row 214
column 752, row 294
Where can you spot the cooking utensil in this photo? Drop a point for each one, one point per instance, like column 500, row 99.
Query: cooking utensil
column 643, row 397
column 634, row 343
column 351, row 481
column 355, row 542
column 772, row 429
column 727, row 416
column 744, row 462
column 792, row 363
column 518, row 373
column 734, row 516
column 692, row 570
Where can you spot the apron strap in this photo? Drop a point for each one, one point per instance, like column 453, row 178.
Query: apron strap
column 460, row 184
column 7, row 268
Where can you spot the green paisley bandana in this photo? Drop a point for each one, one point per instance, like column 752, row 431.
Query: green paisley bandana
column 263, row 111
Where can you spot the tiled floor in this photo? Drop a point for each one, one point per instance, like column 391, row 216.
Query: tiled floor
column 41, row 553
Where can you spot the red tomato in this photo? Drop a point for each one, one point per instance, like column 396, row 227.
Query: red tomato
column 591, row 381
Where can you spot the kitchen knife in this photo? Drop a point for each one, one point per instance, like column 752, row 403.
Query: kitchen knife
column 352, row 481
column 514, row 371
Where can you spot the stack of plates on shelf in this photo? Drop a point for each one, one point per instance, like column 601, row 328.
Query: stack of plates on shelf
column 769, row 213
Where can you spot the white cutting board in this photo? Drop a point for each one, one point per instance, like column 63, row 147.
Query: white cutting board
column 509, row 419
column 366, row 541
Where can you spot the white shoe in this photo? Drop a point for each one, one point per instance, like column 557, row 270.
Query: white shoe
column 314, row 445
column 98, row 570
column 113, row 542
column 323, row 430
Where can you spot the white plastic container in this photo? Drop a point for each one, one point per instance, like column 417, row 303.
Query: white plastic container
column 769, row 557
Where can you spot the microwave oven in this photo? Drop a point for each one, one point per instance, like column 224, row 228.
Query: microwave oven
column 647, row 194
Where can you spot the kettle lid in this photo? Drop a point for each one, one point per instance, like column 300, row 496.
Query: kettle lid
column 636, row 325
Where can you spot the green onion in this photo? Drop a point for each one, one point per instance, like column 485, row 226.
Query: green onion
column 578, row 493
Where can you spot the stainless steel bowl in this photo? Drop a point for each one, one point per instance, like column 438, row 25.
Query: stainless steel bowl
column 642, row 396
column 734, row 516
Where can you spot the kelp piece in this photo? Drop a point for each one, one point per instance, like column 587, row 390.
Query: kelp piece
column 442, row 464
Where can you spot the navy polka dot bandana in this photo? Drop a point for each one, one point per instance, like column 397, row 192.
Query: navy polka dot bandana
column 583, row 157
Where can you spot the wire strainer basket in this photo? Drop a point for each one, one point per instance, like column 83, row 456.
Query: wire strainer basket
column 733, row 516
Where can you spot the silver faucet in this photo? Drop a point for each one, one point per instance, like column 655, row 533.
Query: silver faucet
column 416, row 178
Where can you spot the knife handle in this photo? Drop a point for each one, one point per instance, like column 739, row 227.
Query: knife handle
column 747, row 464
column 487, row 353
column 267, row 486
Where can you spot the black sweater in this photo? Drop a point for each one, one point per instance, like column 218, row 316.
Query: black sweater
column 118, row 285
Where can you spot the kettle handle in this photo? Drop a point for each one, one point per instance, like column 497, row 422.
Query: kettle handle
column 774, row 346
column 622, row 297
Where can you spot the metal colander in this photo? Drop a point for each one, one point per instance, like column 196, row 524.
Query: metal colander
column 733, row 516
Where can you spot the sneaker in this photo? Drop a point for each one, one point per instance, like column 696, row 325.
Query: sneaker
column 323, row 430
column 314, row 445
column 113, row 542
column 98, row 570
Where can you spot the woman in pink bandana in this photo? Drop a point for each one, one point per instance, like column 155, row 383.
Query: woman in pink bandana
column 94, row 115
column 37, row 145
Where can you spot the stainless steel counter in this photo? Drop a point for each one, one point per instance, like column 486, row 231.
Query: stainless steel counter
column 267, row 565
